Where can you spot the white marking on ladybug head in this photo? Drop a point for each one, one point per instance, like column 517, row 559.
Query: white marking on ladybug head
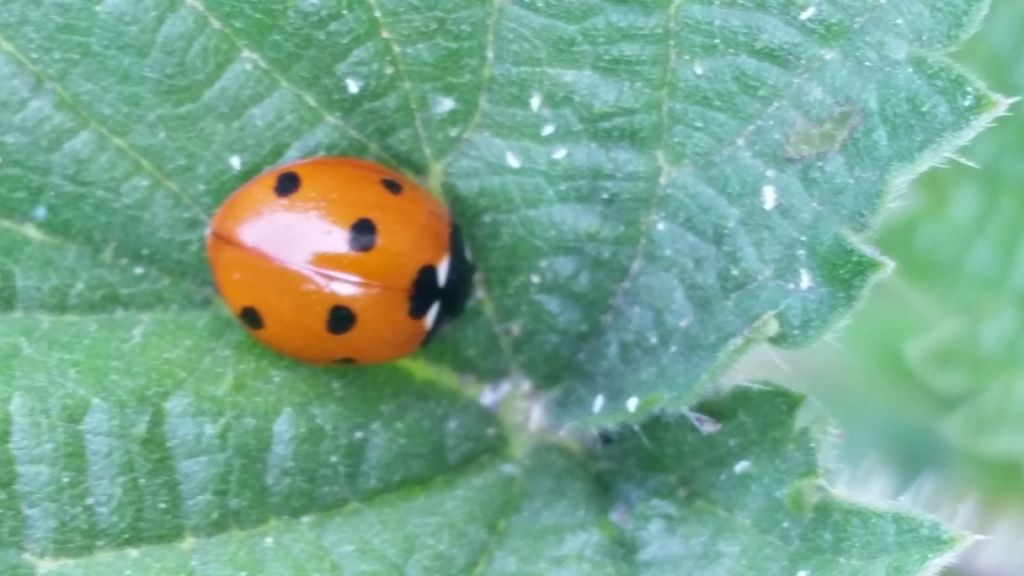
column 442, row 270
column 431, row 317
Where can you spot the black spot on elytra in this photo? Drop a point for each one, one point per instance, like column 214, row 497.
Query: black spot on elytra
column 362, row 237
column 340, row 319
column 251, row 318
column 425, row 292
column 346, row 361
column 288, row 183
column 393, row 186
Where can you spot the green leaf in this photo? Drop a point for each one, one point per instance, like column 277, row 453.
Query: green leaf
column 738, row 501
column 642, row 184
column 958, row 245
column 934, row 358
column 198, row 434
column 647, row 187
column 747, row 499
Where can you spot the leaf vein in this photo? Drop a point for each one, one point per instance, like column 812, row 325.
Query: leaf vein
column 739, row 142
column 247, row 52
column 500, row 529
column 396, row 58
column 118, row 142
column 486, row 75
column 438, row 177
column 34, row 234
column 667, row 169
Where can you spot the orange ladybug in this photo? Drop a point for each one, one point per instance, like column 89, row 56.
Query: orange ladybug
column 339, row 260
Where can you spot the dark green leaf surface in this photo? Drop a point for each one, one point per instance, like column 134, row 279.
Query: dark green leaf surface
column 646, row 185
column 198, row 435
column 739, row 501
column 686, row 500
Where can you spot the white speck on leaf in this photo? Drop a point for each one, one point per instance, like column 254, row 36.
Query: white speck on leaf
column 560, row 153
column 535, row 278
column 248, row 55
column 492, row 395
column 444, row 105
column 598, row 404
column 741, row 467
column 704, row 424
column 236, row 162
column 535, row 101
column 138, row 270
column 698, row 68
column 806, row 14
column 535, row 420
column 268, row 541
column 40, row 212
column 769, row 197
column 659, row 225
column 512, row 160
column 632, row 403
column 620, row 515
column 803, row 573
column 352, row 85
column 510, row 469
column 806, row 281
column 547, row 130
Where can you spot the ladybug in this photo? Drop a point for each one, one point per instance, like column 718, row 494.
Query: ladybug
column 339, row 260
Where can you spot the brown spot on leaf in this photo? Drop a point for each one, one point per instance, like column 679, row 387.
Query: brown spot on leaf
column 810, row 137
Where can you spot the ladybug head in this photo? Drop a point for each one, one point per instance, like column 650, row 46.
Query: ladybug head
column 458, row 286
